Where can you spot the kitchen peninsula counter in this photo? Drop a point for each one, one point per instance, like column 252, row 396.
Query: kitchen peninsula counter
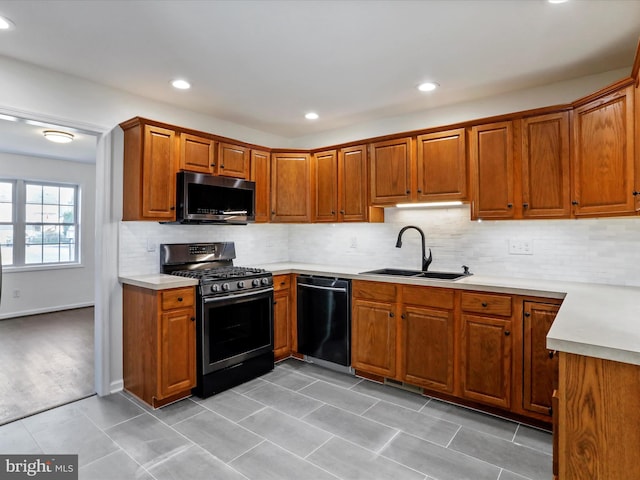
column 595, row 320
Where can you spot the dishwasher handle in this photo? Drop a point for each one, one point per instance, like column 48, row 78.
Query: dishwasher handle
column 318, row 287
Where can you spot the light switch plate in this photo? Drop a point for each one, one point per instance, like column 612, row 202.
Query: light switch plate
column 520, row 247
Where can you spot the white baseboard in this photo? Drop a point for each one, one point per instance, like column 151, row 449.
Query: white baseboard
column 36, row 311
column 116, row 386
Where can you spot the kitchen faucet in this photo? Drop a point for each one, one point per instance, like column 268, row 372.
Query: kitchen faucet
column 425, row 261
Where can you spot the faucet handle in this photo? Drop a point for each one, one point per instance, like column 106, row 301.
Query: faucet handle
column 466, row 270
column 426, row 262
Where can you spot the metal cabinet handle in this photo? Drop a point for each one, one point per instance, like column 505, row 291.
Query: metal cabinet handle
column 527, row 314
column 193, row 319
column 222, row 166
column 403, row 316
column 507, row 333
column 419, row 190
column 525, row 205
column 179, row 299
column 408, row 192
column 635, row 194
column 551, row 354
column 575, row 202
column 391, row 314
column 172, row 207
column 484, row 304
column 333, row 212
column 342, row 212
column 509, row 205
column 213, row 164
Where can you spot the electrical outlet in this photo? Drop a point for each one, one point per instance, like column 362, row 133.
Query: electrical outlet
column 16, row 294
column 353, row 242
column 151, row 245
column 520, row 247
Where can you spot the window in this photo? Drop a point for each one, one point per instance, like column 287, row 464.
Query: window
column 38, row 223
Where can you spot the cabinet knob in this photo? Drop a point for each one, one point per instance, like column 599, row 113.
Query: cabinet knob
column 507, row 333
column 275, row 303
column 551, row 411
column 551, row 354
column 419, row 190
column 635, row 194
column 391, row 314
column 273, row 212
column 402, row 316
column 213, row 164
column 179, row 299
column 342, row 212
column 527, row 314
column 333, row 212
column 222, row 166
column 575, row 202
column 193, row 319
column 408, row 192
column 484, row 304
column 525, row 205
column 509, row 205
column 283, row 283
column 172, row 207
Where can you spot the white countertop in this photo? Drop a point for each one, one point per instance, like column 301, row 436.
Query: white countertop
column 601, row 321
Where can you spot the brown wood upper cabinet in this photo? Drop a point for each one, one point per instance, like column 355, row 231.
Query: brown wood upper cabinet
column 442, row 166
column 546, row 178
column 197, row 154
column 232, row 161
column 150, row 166
column 604, row 163
column 391, row 165
column 290, row 192
column 491, row 164
column 325, row 186
column 261, row 175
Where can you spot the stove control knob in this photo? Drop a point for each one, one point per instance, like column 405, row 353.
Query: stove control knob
column 241, row 284
column 265, row 281
column 215, row 288
column 255, row 282
column 225, row 286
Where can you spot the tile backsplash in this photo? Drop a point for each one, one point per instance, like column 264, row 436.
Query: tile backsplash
column 587, row 250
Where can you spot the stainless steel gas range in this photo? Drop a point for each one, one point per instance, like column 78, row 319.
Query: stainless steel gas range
column 234, row 331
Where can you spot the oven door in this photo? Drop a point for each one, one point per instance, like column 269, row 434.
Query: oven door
column 236, row 328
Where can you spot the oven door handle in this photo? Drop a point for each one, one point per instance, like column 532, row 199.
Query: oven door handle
column 318, row 287
column 237, row 295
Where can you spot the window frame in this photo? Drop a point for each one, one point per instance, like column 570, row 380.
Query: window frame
column 20, row 225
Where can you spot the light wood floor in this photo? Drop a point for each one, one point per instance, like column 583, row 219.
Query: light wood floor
column 45, row 361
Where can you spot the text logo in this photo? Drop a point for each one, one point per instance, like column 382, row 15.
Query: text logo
column 40, row 467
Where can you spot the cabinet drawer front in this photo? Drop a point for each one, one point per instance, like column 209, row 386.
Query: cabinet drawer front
column 281, row 282
column 382, row 292
column 428, row 297
column 484, row 303
column 177, row 298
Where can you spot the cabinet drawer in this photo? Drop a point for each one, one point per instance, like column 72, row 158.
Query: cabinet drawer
column 381, row 292
column 281, row 282
column 177, row 298
column 487, row 304
column 428, row 297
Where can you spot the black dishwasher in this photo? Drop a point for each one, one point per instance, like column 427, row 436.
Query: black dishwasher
column 324, row 318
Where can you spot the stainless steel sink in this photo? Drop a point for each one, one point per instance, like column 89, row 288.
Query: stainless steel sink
column 416, row 274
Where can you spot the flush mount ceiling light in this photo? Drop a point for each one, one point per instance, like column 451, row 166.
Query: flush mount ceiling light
column 57, row 136
column 9, row 118
column 5, row 23
column 311, row 116
column 181, row 84
column 430, row 205
column 557, row 1
column 428, row 86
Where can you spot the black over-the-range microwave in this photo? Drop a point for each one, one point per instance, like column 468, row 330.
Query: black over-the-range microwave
column 203, row 198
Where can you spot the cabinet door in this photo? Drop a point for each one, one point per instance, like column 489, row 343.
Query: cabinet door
column 603, row 161
column 545, row 166
column 391, row 164
column 159, row 174
column 177, row 356
column 290, row 185
column 197, row 154
column 281, row 324
column 486, row 360
column 261, row 175
column 233, row 161
column 491, row 163
column 373, row 337
column 540, row 368
column 352, row 184
column 428, row 348
column 442, row 172
column 325, row 179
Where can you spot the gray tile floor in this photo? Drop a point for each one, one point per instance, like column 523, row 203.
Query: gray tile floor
column 299, row 421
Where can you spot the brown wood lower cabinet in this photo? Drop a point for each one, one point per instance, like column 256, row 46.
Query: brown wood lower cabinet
column 282, row 317
column 159, row 344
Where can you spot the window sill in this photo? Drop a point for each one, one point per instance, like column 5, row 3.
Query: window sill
column 34, row 268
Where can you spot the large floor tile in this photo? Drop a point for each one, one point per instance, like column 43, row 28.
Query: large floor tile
column 357, row 429
column 231, row 405
column 110, row 410
column 389, row 394
column 436, row 461
column 348, row 461
column 285, row 400
column 270, row 462
column 194, row 463
column 428, row 428
column 507, row 475
column 147, row 440
column 221, row 437
column 178, row 411
column 287, row 432
column 534, row 438
column 466, row 417
column 16, row 439
column 289, row 379
column 515, row 458
column 339, row 397
column 250, row 385
column 115, row 466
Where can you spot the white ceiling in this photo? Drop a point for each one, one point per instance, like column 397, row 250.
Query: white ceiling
column 264, row 63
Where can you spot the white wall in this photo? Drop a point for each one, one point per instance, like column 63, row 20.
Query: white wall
column 49, row 290
column 586, row 250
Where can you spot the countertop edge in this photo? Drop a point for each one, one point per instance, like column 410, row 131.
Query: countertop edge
column 157, row 281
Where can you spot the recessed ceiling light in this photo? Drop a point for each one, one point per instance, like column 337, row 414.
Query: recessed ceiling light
column 8, row 118
column 311, row 116
column 57, row 136
column 181, row 84
column 5, row 23
column 557, row 1
column 427, row 86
